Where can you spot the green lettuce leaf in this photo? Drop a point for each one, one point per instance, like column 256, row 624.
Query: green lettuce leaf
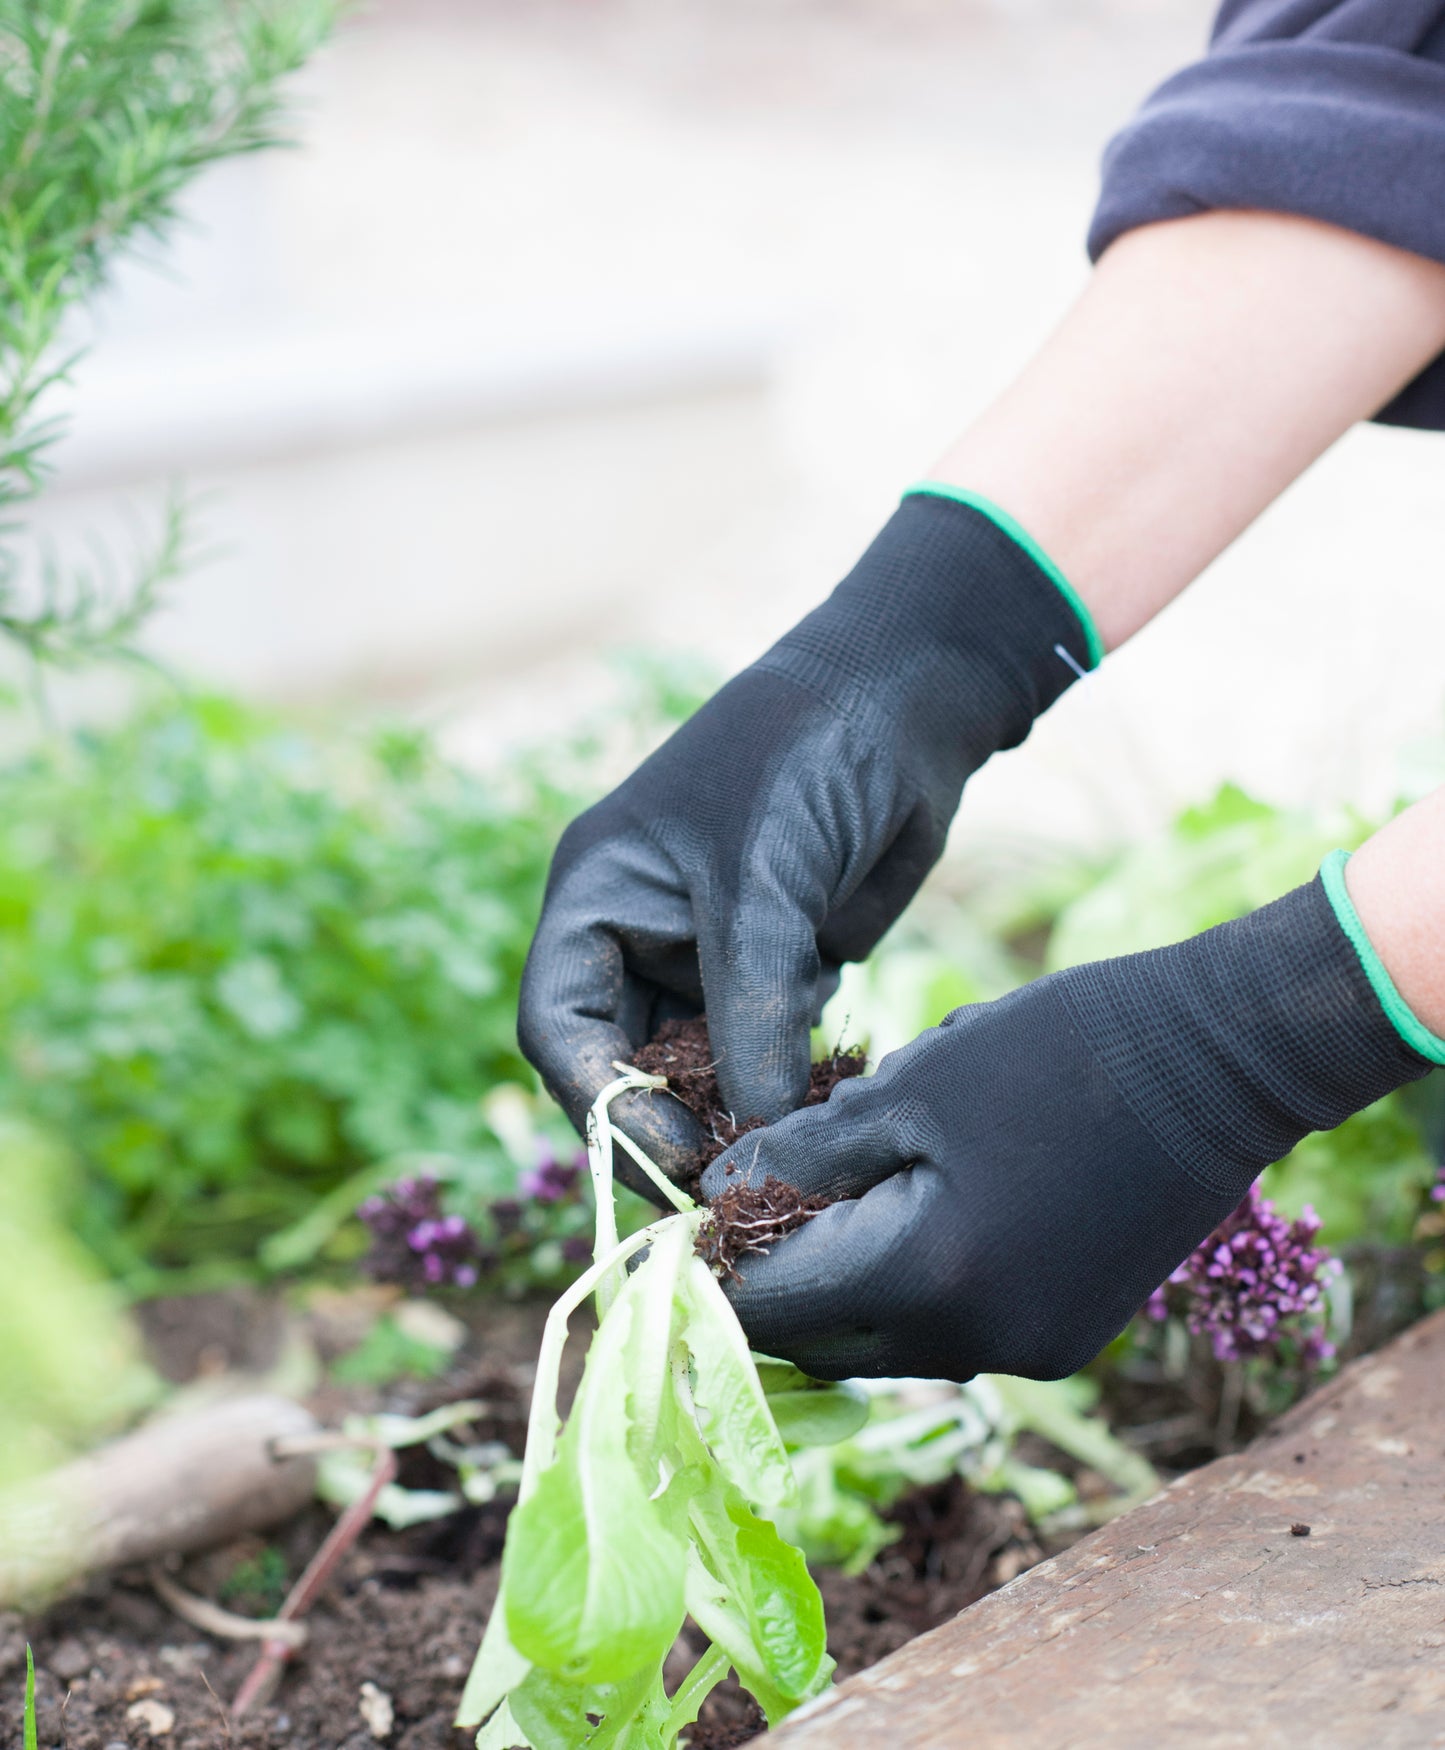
column 732, row 1408
column 811, row 1412
column 628, row 1715
column 752, row 1594
column 502, row 1732
column 593, row 1564
column 497, row 1669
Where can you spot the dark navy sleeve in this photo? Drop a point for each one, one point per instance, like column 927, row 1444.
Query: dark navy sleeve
column 1334, row 109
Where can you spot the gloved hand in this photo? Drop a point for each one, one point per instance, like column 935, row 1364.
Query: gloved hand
column 783, row 828
column 1027, row 1173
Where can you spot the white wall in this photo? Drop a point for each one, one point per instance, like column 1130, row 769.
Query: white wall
column 568, row 309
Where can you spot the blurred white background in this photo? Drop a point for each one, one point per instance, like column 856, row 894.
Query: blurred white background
column 584, row 324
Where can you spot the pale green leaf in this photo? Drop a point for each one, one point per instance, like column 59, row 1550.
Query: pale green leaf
column 592, row 1568
column 497, row 1669
column 627, row 1715
column 811, row 1412
column 732, row 1409
column 1045, row 1407
column 502, row 1732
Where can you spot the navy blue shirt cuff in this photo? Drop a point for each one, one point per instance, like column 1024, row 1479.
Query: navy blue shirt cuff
column 1350, row 132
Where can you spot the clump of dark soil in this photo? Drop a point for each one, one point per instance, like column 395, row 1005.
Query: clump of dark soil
column 682, row 1052
column 743, row 1219
column 752, row 1218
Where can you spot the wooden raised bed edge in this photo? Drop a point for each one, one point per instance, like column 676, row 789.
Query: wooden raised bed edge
column 1291, row 1594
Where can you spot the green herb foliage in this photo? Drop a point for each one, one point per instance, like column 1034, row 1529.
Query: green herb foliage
column 108, row 109
column 389, row 1353
column 240, row 965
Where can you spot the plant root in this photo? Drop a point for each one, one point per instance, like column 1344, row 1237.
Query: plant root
column 681, row 1052
column 745, row 1219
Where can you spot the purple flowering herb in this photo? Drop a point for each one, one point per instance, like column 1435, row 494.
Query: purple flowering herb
column 551, row 1180
column 1437, row 1190
column 1257, row 1281
column 506, row 1214
column 414, row 1242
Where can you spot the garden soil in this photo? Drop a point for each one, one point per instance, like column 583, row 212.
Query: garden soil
column 681, row 1052
column 397, row 1629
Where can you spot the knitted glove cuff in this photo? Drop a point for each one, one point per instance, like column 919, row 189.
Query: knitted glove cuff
column 952, row 625
column 1233, row 1045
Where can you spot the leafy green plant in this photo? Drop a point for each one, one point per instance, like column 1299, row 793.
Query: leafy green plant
column 108, row 109
column 652, row 1504
column 258, row 1585
column 240, row 965
column 387, row 1353
column 921, row 1432
column 346, row 1475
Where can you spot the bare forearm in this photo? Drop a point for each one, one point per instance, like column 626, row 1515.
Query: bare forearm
column 1207, row 364
column 1397, row 884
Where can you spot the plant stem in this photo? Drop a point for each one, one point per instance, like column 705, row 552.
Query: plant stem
column 694, row 1690
column 674, row 1194
column 600, row 1133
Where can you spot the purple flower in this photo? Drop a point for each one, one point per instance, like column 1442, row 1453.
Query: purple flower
column 414, row 1242
column 1257, row 1281
column 577, row 1250
column 551, row 1180
column 506, row 1213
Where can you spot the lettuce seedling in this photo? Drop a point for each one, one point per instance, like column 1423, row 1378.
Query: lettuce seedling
column 651, row 1504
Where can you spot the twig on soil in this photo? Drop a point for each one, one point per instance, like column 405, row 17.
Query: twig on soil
column 226, row 1625
column 225, row 1718
column 265, row 1674
column 327, row 1440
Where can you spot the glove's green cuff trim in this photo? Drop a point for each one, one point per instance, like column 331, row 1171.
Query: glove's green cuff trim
column 1399, row 1013
column 1093, row 643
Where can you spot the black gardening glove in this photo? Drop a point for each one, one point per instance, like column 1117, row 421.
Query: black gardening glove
column 783, row 828
column 1027, row 1173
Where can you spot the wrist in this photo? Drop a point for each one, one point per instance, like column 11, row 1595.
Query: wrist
column 1207, row 364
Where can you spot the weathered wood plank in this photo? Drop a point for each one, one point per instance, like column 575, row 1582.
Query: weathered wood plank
column 1199, row 1618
